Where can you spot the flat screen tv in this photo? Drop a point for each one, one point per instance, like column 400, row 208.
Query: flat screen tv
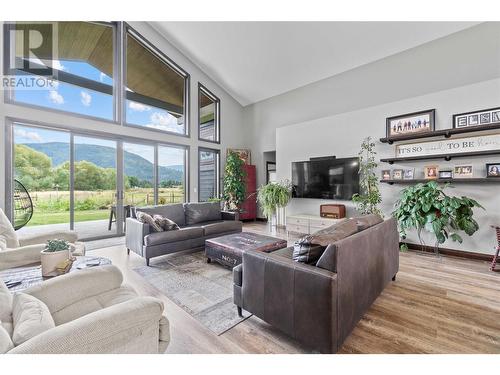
column 327, row 178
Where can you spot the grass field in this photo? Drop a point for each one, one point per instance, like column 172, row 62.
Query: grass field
column 52, row 207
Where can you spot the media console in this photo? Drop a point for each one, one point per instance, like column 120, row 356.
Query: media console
column 308, row 224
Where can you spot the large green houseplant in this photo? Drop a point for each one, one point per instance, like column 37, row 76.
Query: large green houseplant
column 368, row 200
column 272, row 196
column 427, row 207
column 234, row 182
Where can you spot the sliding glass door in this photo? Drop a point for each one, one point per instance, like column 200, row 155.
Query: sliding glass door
column 171, row 174
column 94, row 186
column 89, row 183
column 41, row 159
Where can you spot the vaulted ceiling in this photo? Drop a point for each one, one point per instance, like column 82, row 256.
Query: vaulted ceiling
column 253, row 61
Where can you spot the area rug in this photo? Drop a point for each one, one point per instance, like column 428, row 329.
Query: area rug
column 204, row 291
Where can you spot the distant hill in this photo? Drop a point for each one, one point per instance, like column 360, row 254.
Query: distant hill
column 105, row 157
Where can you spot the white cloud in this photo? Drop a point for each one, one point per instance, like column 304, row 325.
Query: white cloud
column 164, row 121
column 55, row 97
column 85, row 98
column 32, row 136
column 56, row 64
column 139, row 107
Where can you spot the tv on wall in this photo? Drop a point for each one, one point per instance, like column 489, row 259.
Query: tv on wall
column 326, row 178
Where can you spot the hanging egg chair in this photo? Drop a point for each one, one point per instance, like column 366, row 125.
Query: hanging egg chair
column 23, row 206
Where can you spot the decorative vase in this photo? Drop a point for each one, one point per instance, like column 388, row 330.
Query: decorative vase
column 50, row 259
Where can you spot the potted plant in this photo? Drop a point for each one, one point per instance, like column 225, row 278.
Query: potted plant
column 272, row 196
column 367, row 202
column 233, row 182
column 427, row 207
column 55, row 252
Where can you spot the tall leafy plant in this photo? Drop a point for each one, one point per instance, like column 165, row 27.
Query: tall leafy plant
column 427, row 207
column 273, row 196
column 368, row 200
column 234, row 182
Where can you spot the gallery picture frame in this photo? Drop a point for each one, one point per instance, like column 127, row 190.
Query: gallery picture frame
column 408, row 123
column 431, row 172
column 493, row 170
column 478, row 118
column 397, row 174
column 463, row 171
column 445, row 174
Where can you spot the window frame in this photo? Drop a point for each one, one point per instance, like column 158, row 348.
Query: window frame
column 208, row 93
column 118, row 89
column 127, row 29
column 8, row 93
column 218, row 166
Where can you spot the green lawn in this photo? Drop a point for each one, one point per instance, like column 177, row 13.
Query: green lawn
column 41, row 218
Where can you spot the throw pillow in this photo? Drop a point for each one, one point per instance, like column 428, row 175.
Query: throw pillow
column 165, row 223
column 31, row 317
column 367, row 221
column 306, row 252
column 8, row 231
column 334, row 233
column 6, row 343
column 328, row 260
column 147, row 219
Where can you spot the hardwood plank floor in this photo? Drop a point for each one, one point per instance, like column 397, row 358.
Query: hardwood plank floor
column 436, row 305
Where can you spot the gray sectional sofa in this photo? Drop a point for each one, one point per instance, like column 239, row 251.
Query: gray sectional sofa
column 197, row 222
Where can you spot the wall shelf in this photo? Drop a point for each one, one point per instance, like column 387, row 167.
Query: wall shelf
column 478, row 180
column 446, row 133
column 446, row 157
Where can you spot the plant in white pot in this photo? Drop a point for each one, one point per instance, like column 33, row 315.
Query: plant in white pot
column 272, row 196
column 55, row 252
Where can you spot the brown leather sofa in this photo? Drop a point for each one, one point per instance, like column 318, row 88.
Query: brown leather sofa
column 315, row 306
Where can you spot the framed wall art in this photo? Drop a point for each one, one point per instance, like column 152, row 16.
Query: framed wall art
column 493, row 170
column 410, row 123
column 431, row 172
column 477, row 118
column 463, row 171
column 244, row 154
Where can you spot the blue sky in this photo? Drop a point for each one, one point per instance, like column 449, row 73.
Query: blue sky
column 79, row 100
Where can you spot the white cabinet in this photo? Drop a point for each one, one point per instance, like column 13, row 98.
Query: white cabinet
column 308, row 224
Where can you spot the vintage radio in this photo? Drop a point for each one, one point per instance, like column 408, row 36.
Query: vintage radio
column 332, row 211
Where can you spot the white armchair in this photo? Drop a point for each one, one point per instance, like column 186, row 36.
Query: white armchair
column 94, row 313
column 18, row 250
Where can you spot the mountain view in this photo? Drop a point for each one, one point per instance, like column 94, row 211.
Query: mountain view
column 105, row 157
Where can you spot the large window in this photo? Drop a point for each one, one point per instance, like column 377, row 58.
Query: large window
column 82, row 66
column 171, row 174
column 155, row 89
column 208, row 115
column 208, row 174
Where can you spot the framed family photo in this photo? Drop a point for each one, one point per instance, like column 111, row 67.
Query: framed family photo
column 463, row 171
column 477, row 118
column 410, row 123
column 446, row 174
column 408, row 174
column 386, row 174
column 397, row 174
column 431, row 172
column 493, row 170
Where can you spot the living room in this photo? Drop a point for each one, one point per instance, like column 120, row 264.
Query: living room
column 190, row 187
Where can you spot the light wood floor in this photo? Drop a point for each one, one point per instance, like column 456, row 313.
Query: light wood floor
column 446, row 305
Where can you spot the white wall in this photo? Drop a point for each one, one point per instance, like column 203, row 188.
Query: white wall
column 342, row 134
column 231, row 115
column 463, row 58
column 332, row 116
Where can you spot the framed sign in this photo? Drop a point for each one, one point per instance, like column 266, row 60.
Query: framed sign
column 410, row 123
column 493, row 170
column 449, row 146
column 476, row 118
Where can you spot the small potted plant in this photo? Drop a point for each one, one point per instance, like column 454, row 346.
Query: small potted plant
column 55, row 252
